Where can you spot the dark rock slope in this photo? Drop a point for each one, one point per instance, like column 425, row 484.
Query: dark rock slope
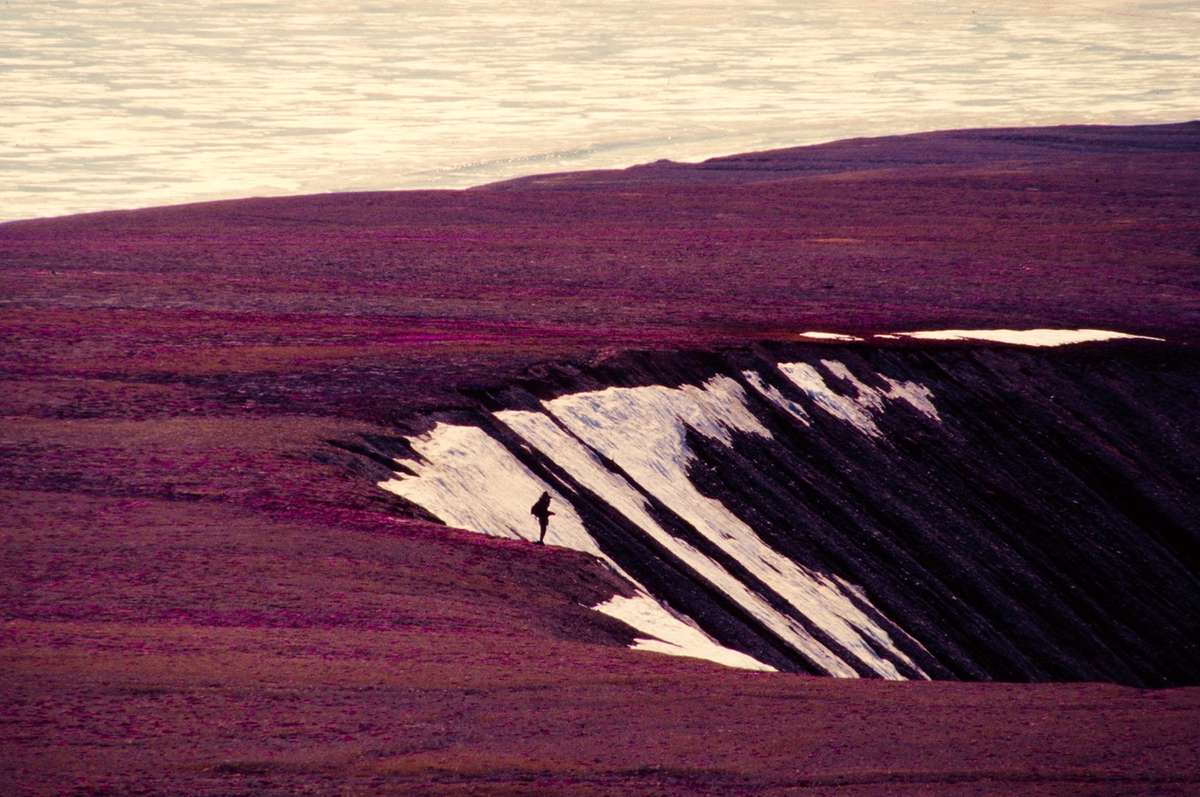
column 949, row 512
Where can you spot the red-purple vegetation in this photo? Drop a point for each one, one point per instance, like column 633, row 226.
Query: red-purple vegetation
column 199, row 597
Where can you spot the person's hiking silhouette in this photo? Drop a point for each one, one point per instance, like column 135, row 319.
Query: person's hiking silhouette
column 541, row 511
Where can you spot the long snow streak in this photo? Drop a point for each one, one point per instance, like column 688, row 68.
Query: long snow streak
column 582, row 464
column 772, row 394
column 809, row 379
column 629, row 448
column 1025, row 337
column 643, row 431
column 866, row 403
column 467, row 479
column 672, row 634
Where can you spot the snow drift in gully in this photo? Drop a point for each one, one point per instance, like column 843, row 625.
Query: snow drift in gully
column 904, row 513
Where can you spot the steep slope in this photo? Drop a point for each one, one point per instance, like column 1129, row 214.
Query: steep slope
column 898, row 513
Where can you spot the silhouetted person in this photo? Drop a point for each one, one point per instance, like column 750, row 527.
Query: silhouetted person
column 541, row 511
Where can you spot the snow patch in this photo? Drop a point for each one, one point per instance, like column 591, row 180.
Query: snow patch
column 468, row 480
column 582, row 464
column 716, row 409
column 919, row 397
column 860, row 409
column 916, row 395
column 772, row 394
column 828, row 336
column 1025, row 337
column 809, row 379
column 670, row 634
column 643, row 431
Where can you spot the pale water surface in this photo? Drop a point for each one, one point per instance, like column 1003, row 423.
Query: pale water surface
column 111, row 104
